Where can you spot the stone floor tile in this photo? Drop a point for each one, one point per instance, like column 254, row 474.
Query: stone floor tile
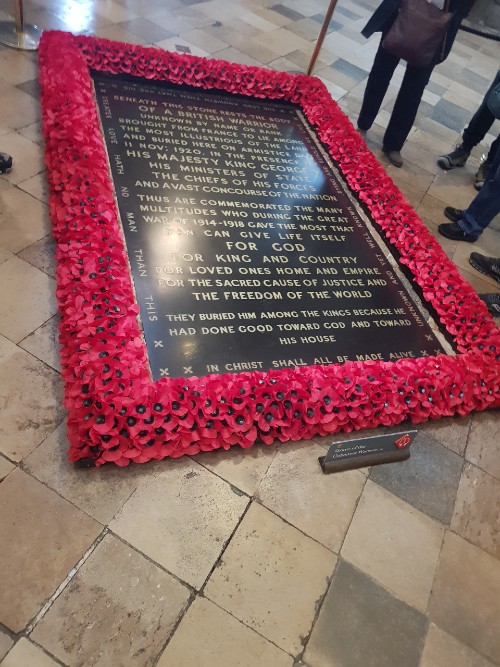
column 28, row 158
column 482, row 448
column 37, row 186
column 181, row 518
column 271, row 578
column 44, row 343
column 477, row 510
column 443, row 650
column 243, row 468
column 17, row 108
column 395, row 544
column 211, row 637
column 23, row 219
column 147, row 30
column 4, row 255
column 27, row 654
column 28, row 298
column 360, row 624
column 33, row 132
column 428, row 480
column 319, row 505
column 465, row 598
column 16, row 67
column 119, row 609
column 30, row 398
column 5, row 643
column 452, row 432
column 100, row 492
column 118, row 34
column 41, row 254
column 412, row 193
column 6, row 467
column 454, row 187
column 43, row 537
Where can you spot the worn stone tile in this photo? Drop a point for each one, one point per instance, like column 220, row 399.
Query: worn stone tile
column 211, row 637
column 360, row 624
column 18, row 67
column 383, row 526
column 6, row 467
column 181, row 518
column 428, row 480
column 317, row 504
column 36, row 186
column 30, row 401
column 5, row 643
column 119, row 609
column 453, row 187
column 482, row 448
column 35, row 559
column 451, row 115
column 271, row 577
column 23, row 220
column 412, row 193
column 28, row 158
column 465, row 600
column 44, row 343
column 147, row 30
column 41, row 254
column 443, row 650
column 4, row 255
column 25, row 653
column 477, row 510
column 28, row 298
column 452, row 432
column 100, row 492
column 243, row 468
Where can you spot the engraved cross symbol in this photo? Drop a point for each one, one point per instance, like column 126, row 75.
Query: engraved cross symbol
column 164, row 372
column 423, row 353
column 188, row 370
column 158, row 343
column 428, row 336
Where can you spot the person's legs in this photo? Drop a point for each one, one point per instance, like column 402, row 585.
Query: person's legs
column 376, row 87
column 406, row 106
column 473, row 134
column 480, row 122
column 486, row 205
column 469, row 224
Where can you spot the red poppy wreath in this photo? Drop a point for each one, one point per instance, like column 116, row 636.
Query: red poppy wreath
column 116, row 412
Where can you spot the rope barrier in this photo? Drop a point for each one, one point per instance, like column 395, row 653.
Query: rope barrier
column 480, row 33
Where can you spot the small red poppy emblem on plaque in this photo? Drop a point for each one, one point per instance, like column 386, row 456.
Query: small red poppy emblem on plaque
column 402, row 442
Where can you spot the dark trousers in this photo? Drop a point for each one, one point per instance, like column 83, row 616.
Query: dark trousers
column 407, row 102
column 479, row 125
column 486, row 204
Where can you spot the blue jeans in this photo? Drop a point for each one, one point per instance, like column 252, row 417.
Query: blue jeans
column 485, row 205
column 406, row 105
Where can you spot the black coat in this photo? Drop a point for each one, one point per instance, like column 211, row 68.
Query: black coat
column 386, row 13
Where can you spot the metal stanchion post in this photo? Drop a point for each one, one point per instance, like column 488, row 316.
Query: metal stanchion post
column 321, row 35
column 19, row 34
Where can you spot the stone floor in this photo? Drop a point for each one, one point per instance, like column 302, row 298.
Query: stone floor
column 251, row 559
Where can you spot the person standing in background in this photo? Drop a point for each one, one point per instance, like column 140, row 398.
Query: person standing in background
column 414, row 81
column 475, row 132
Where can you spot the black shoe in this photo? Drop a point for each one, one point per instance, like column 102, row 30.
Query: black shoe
column 455, row 233
column 394, row 157
column 490, row 266
column 453, row 214
column 5, row 163
column 457, row 158
column 493, row 303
